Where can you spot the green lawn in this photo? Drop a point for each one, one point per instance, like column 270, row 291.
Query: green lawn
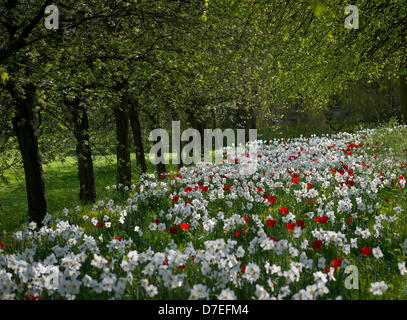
column 61, row 185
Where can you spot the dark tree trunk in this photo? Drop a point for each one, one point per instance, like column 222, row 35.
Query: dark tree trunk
column 403, row 97
column 160, row 166
column 123, row 144
column 253, row 119
column 138, row 140
column 181, row 163
column 197, row 121
column 26, row 132
column 156, row 123
column 201, row 126
column 252, row 123
column 87, row 193
column 213, row 123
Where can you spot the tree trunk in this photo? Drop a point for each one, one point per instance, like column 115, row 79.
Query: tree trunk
column 181, row 163
column 123, row 144
column 161, row 167
column 403, row 97
column 138, row 140
column 253, row 119
column 252, row 123
column 87, row 193
column 213, row 123
column 26, row 132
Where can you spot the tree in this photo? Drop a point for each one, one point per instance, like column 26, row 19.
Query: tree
column 80, row 121
column 26, row 132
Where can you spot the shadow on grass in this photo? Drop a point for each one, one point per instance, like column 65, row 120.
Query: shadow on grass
column 61, row 187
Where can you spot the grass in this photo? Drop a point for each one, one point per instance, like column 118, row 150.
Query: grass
column 61, row 187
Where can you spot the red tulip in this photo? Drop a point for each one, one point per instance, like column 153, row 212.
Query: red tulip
column 317, row 244
column 291, row 226
column 284, row 210
column 271, row 222
column 173, row 230
column 272, row 200
column 366, row 251
column 322, row 220
column 337, row 262
column 184, row 226
column 301, row 224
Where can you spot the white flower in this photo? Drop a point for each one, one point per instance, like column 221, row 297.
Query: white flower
column 378, row 288
column 151, row 290
column 74, row 286
column 88, row 281
column 107, row 283
column 320, row 277
column 405, row 246
column 46, row 219
column 32, row 225
column 261, row 293
column 252, row 272
column 377, row 253
column 227, row 294
column 274, row 269
column 199, row 291
column 177, row 281
column 94, row 221
column 402, row 268
column 240, row 252
column 397, row 209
